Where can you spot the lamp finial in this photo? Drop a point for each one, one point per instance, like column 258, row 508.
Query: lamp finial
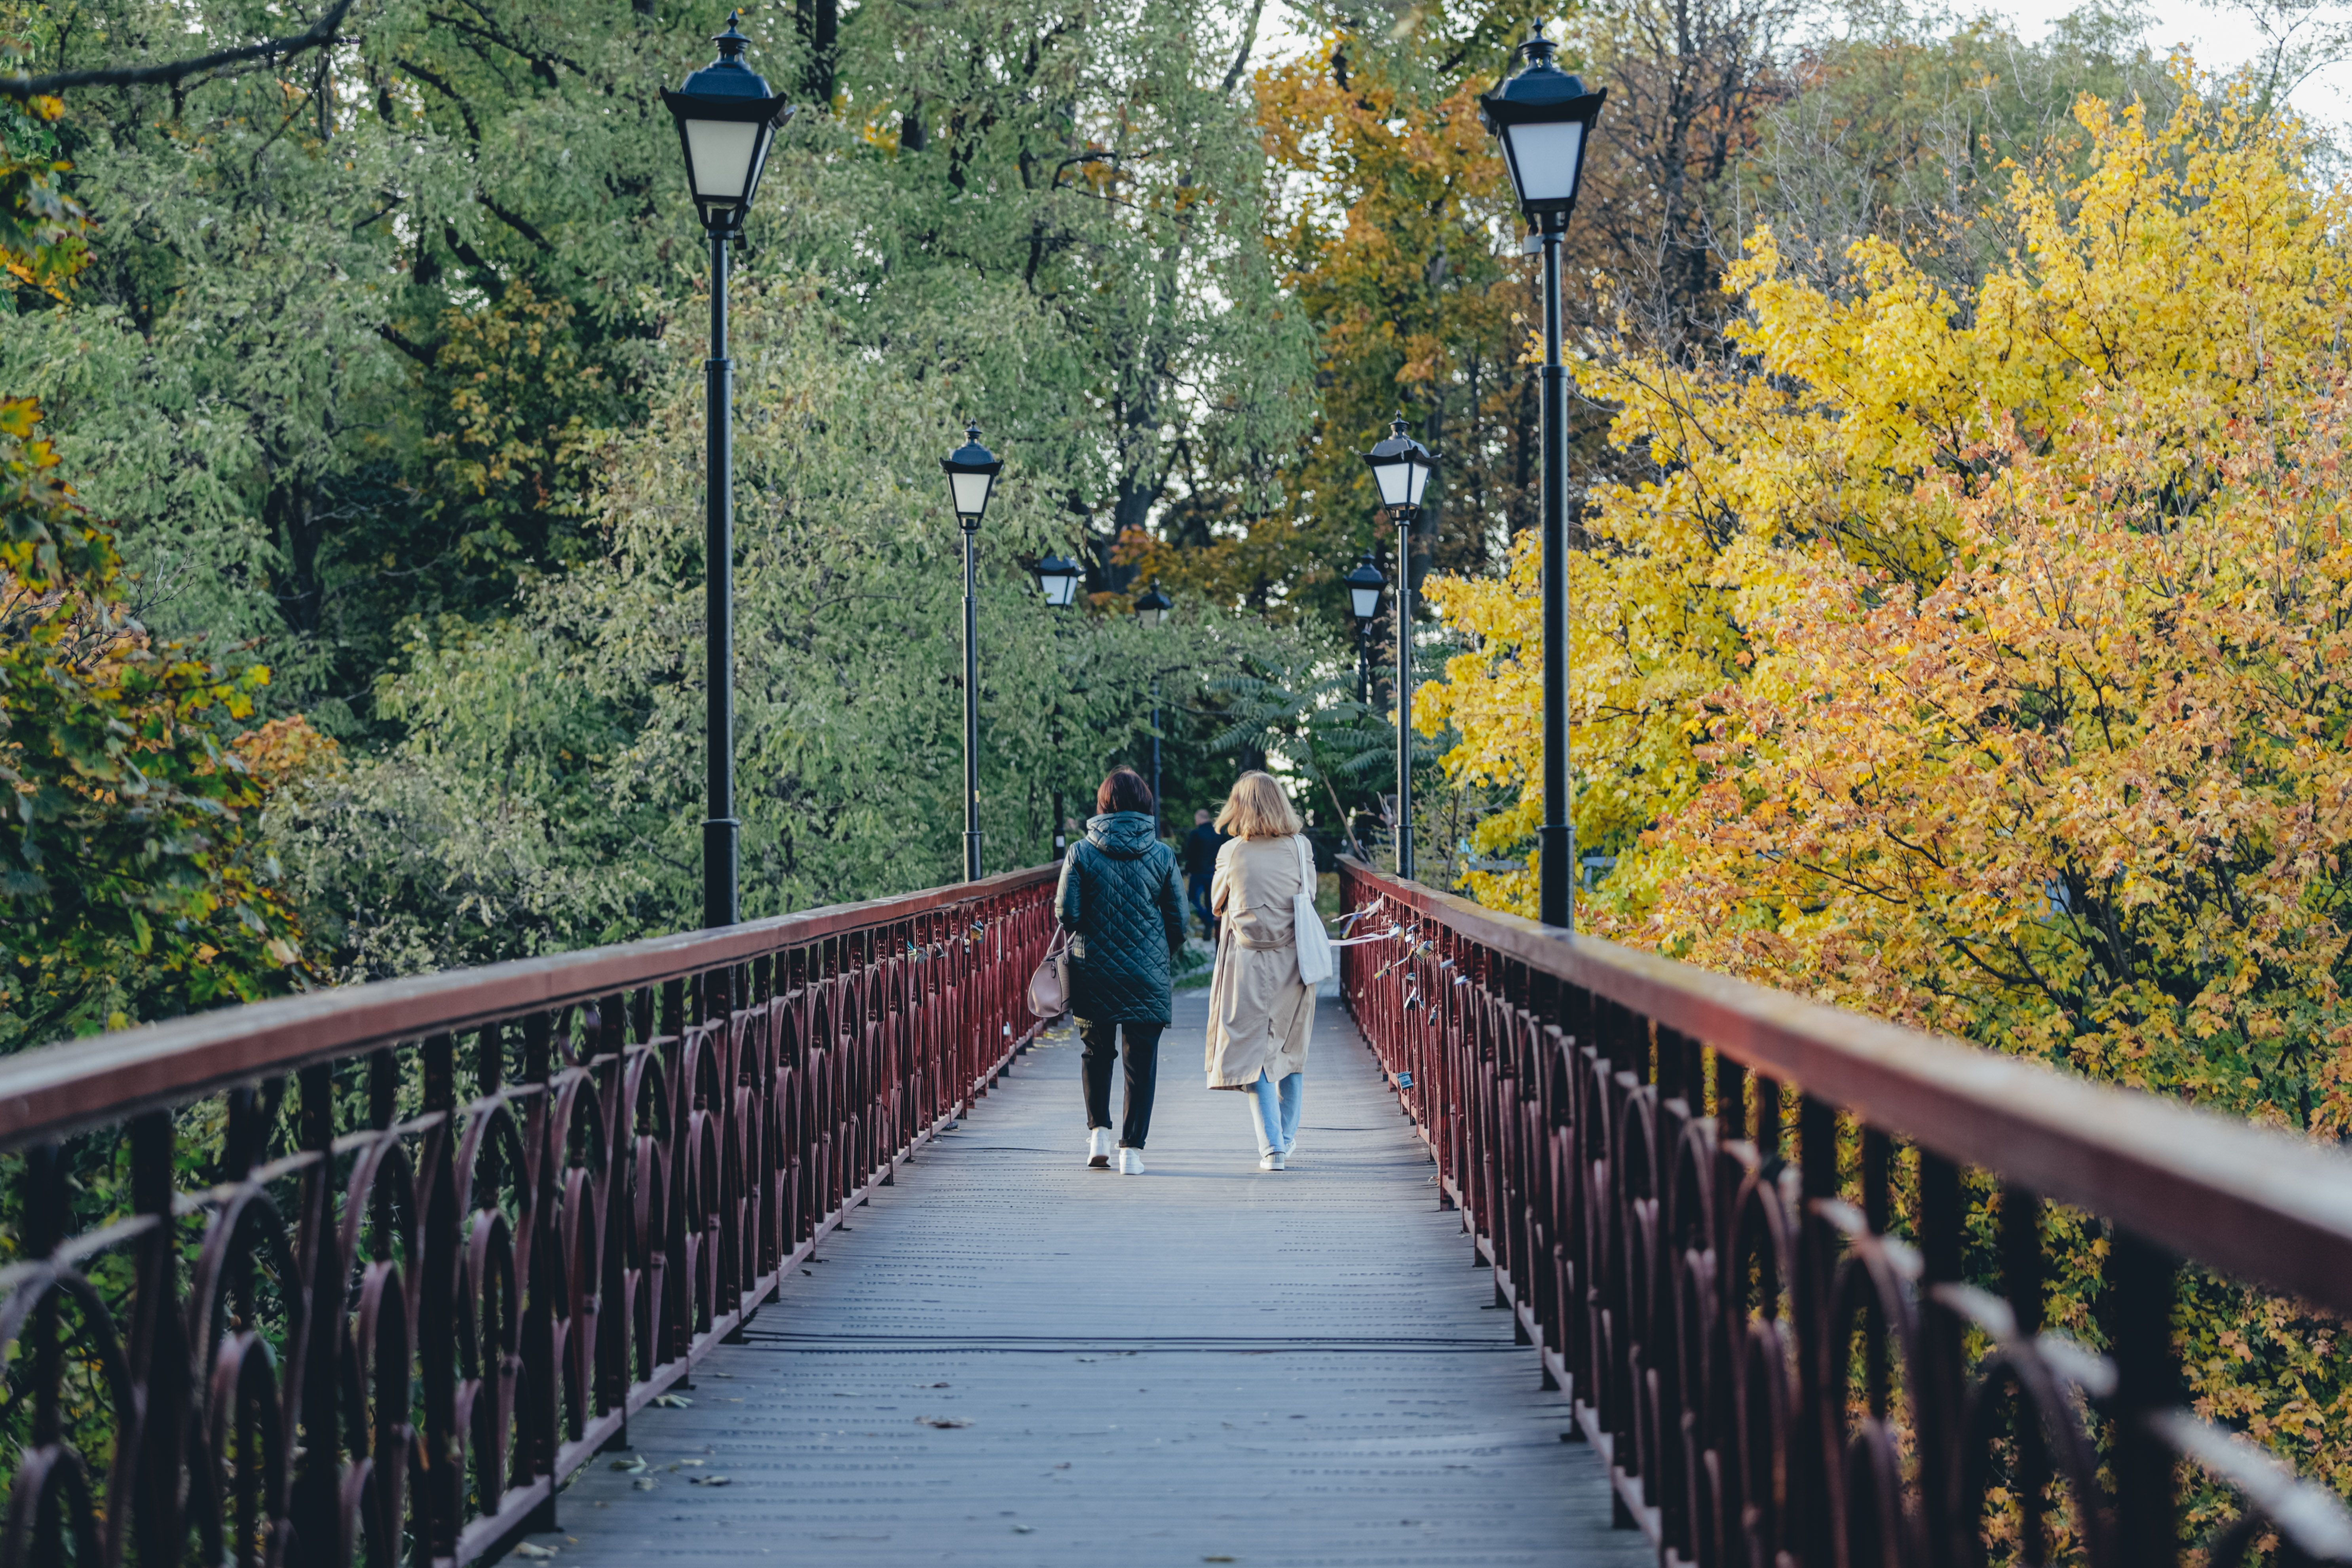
column 732, row 42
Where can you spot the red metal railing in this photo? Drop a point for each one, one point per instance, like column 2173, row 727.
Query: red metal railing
column 1772, row 1345
column 390, row 1313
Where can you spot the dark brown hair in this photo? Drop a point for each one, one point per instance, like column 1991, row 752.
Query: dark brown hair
column 1124, row 790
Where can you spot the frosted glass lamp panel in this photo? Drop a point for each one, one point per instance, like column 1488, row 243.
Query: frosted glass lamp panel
column 971, row 492
column 1544, row 160
column 721, row 150
column 1416, row 479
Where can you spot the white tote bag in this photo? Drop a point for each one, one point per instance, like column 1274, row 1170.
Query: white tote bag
column 1305, row 925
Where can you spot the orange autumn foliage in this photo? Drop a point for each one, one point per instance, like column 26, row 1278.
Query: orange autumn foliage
column 1980, row 662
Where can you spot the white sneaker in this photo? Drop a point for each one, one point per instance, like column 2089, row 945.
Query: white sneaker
column 1098, row 1149
column 1131, row 1161
column 1273, row 1161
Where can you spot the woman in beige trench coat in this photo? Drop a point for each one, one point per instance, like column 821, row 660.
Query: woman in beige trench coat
column 1260, row 1013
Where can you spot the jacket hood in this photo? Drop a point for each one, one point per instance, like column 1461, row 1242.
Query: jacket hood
column 1121, row 834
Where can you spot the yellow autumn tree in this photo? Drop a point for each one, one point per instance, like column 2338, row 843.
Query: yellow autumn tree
column 1978, row 662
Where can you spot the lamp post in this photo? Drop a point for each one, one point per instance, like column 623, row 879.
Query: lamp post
column 1152, row 611
column 971, row 470
column 726, row 119
column 1544, row 118
column 1365, row 587
column 1058, row 579
column 1402, row 466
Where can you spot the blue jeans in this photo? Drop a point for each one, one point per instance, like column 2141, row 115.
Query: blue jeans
column 1274, row 1109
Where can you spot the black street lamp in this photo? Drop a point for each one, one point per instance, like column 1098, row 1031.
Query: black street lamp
column 971, row 470
column 1152, row 611
column 1365, row 586
column 1402, row 466
column 1153, row 607
column 726, row 119
column 1058, row 579
column 1545, row 118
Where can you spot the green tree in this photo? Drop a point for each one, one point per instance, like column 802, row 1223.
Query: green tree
column 135, row 883
column 547, row 790
column 310, row 266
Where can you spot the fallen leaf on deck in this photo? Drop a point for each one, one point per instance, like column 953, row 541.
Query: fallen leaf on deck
column 941, row 1421
column 527, row 1549
column 709, row 1480
column 633, row 1465
column 645, row 1483
column 673, row 1402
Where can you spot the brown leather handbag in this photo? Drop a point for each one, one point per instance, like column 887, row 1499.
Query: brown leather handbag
column 1049, row 987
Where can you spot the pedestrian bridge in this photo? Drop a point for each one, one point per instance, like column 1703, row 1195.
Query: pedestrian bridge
column 775, row 1242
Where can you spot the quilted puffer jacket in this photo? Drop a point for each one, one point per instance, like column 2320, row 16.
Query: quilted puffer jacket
column 1118, row 900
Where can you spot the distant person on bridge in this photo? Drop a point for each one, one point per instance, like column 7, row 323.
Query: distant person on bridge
column 1118, row 900
column 1201, row 847
column 1260, row 1013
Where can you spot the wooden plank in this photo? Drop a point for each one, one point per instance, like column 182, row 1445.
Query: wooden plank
column 1202, row 1363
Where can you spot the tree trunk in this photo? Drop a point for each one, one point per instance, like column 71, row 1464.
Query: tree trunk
column 819, row 22
column 290, row 511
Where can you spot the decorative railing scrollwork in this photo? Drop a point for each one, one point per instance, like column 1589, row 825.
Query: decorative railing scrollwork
column 391, row 1262
column 1733, row 1223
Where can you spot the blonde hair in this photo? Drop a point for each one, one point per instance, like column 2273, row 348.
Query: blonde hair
column 1258, row 809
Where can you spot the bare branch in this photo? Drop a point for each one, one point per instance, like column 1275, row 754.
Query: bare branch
column 319, row 35
column 1242, row 55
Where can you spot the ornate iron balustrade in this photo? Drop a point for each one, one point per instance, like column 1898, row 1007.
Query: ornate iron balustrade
column 499, row 1211
column 1774, row 1375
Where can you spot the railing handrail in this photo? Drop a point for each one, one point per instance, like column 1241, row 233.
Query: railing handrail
column 75, row 1085
column 2248, row 1201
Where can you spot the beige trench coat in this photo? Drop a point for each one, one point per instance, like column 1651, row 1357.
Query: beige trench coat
column 1260, row 1013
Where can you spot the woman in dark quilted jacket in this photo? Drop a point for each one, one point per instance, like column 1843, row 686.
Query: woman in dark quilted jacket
column 1119, row 903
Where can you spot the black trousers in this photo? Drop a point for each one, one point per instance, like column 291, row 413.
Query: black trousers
column 1142, row 1075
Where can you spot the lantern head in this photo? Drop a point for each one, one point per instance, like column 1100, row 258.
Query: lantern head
column 1401, row 466
column 971, row 470
column 726, row 117
column 1544, row 118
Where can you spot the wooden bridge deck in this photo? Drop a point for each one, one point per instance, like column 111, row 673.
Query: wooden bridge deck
column 1009, row 1359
